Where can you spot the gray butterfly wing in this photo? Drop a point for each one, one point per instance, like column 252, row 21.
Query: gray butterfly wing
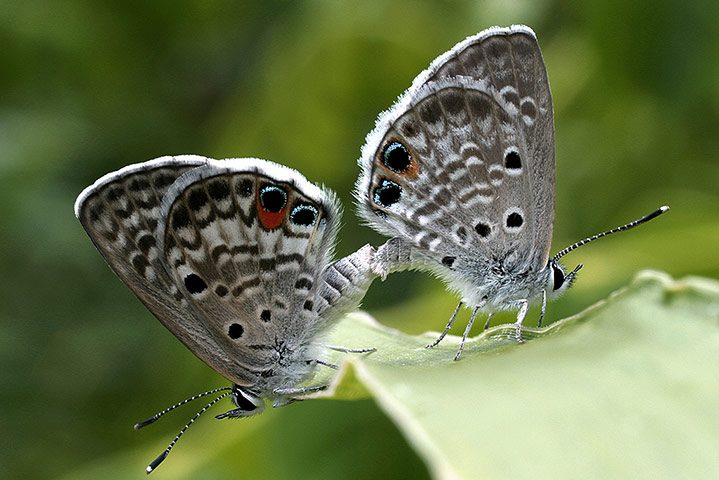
column 248, row 242
column 121, row 213
column 473, row 177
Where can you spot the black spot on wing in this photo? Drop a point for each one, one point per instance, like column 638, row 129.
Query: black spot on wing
column 514, row 220
column 140, row 263
column 145, row 243
column 194, row 284
column 235, row 331
column 448, row 261
column 197, row 199
column 512, row 160
column 243, row 188
column 138, row 184
column 396, row 157
column 219, row 189
column 387, row 193
column 483, row 229
column 180, row 217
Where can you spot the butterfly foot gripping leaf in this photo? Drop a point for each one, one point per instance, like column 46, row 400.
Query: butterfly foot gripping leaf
column 460, row 172
column 234, row 258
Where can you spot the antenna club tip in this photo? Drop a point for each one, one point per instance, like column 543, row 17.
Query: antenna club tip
column 153, row 465
column 664, row 208
column 144, row 423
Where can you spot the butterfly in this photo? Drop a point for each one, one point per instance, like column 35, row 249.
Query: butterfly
column 460, row 173
column 234, row 258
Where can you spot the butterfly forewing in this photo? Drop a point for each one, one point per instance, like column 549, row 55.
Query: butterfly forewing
column 121, row 213
column 246, row 242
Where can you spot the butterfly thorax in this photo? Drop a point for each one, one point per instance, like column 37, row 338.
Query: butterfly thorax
column 291, row 365
column 497, row 284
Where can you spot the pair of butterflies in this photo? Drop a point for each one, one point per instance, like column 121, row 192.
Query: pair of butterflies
column 234, row 256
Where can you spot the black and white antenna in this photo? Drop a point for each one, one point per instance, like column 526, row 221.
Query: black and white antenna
column 157, row 461
column 623, row 228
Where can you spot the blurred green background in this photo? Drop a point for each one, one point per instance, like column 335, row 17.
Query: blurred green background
column 87, row 87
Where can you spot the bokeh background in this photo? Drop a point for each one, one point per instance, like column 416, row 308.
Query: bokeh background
column 89, row 86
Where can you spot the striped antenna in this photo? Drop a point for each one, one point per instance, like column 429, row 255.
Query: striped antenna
column 156, row 416
column 161, row 457
column 628, row 226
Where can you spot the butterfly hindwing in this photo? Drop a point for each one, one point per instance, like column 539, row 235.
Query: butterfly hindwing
column 463, row 164
column 246, row 241
column 232, row 256
column 509, row 59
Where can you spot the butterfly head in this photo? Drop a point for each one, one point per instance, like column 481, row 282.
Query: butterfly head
column 558, row 281
column 246, row 401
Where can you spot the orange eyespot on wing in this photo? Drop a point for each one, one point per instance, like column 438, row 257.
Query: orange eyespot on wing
column 398, row 158
column 271, row 206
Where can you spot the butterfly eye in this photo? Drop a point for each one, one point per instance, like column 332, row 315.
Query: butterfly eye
column 273, row 198
column 304, row 215
column 242, row 400
column 557, row 277
column 387, row 193
column 396, row 157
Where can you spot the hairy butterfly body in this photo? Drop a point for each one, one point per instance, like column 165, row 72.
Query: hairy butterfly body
column 460, row 172
column 233, row 257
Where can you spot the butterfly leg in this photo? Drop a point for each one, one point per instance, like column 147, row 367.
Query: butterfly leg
column 234, row 413
column 466, row 333
column 446, row 327
column 523, row 307
column 285, row 396
column 544, row 309
column 489, row 320
column 284, row 402
column 299, row 391
column 333, row 366
column 350, row 350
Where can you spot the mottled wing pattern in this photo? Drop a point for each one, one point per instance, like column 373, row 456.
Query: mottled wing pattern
column 247, row 241
column 462, row 166
column 511, row 61
column 121, row 213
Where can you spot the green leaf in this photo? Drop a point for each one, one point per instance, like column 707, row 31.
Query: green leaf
column 628, row 388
